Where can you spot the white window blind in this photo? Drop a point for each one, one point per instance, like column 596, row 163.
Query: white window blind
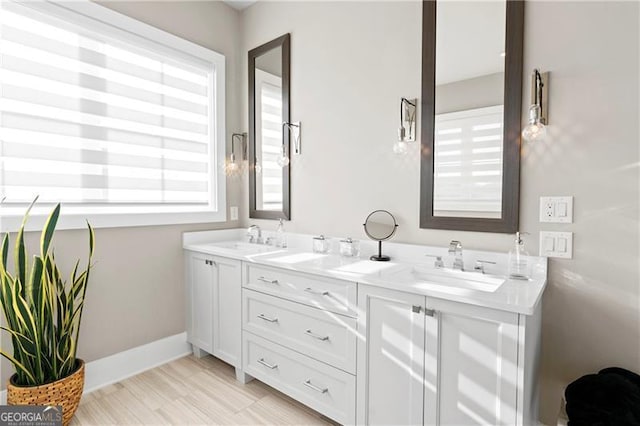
column 103, row 118
column 269, row 194
column 468, row 161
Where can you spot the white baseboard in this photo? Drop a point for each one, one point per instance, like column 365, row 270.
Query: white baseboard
column 117, row 367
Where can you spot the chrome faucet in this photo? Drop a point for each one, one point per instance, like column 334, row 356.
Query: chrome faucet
column 251, row 233
column 480, row 265
column 437, row 263
column 455, row 249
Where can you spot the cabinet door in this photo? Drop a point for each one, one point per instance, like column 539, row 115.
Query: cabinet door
column 477, row 362
column 201, row 301
column 227, row 314
column 391, row 349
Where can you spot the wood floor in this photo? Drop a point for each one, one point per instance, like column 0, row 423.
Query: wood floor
column 192, row 391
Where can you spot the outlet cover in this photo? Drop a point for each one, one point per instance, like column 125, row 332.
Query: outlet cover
column 556, row 209
column 233, row 212
column 556, row 244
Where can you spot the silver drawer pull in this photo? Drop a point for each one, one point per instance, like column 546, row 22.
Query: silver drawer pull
column 263, row 317
column 319, row 293
column 266, row 364
column 308, row 384
column 264, row 280
column 317, row 336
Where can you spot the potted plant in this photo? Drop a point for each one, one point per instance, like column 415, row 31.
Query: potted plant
column 43, row 312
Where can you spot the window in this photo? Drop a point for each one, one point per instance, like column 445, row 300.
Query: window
column 119, row 121
column 468, row 162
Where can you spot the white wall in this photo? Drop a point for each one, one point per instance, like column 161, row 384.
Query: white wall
column 351, row 63
column 477, row 92
column 591, row 309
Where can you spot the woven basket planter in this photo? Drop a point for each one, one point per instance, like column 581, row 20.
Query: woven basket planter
column 65, row 392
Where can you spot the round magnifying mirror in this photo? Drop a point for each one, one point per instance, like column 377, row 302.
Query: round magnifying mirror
column 380, row 225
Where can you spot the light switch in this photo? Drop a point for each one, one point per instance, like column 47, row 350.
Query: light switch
column 233, row 212
column 562, row 245
column 556, row 244
column 562, row 209
column 556, row 209
column 549, row 244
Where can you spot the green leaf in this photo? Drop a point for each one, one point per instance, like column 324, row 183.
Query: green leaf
column 26, row 345
column 48, row 230
column 4, row 252
column 19, row 366
column 20, row 250
column 34, row 290
column 92, row 239
column 21, row 259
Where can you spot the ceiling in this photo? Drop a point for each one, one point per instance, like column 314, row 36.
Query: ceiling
column 239, row 4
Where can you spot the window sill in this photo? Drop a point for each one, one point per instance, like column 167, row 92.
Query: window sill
column 11, row 223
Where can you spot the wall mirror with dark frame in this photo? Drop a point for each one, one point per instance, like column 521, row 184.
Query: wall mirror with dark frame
column 471, row 103
column 269, row 74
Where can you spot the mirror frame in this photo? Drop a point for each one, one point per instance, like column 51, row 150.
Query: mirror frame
column 514, row 36
column 393, row 232
column 285, row 43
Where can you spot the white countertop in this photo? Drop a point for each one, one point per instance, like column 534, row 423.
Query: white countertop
column 517, row 296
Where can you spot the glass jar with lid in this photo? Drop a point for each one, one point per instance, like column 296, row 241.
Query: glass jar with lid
column 321, row 244
column 349, row 247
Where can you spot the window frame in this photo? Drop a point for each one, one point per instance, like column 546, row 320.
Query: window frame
column 112, row 23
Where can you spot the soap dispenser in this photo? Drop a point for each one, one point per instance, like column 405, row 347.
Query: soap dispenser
column 281, row 238
column 519, row 261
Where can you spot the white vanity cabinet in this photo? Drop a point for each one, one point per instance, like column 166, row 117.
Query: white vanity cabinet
column 369, row 343
column 214, row 322
column 299, row 336
column 391, row 379
column 430, row 361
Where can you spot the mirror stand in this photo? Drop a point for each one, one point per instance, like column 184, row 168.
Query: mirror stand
column 380, row 225
column 380, row 257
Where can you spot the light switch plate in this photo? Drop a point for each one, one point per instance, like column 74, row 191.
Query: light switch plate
column 556, row 244
column 556, row 209
column 233, row 212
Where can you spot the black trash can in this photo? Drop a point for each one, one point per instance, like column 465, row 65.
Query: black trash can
column 609, row 398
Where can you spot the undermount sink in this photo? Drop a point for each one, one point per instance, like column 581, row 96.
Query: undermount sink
column 451, row 278
column 242, row 247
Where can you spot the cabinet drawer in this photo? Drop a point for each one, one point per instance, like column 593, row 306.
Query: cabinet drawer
column 320, row 334
column 326, row 293
column 325, row 389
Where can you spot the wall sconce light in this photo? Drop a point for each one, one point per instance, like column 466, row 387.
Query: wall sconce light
column 407, row 129
column 233, row 165
column 295, row 129
column 539, row 109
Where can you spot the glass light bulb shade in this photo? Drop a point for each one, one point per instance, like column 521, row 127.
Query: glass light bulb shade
column 283, row 161
column 231, row 168
column 534, row 132
column 400, row 148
